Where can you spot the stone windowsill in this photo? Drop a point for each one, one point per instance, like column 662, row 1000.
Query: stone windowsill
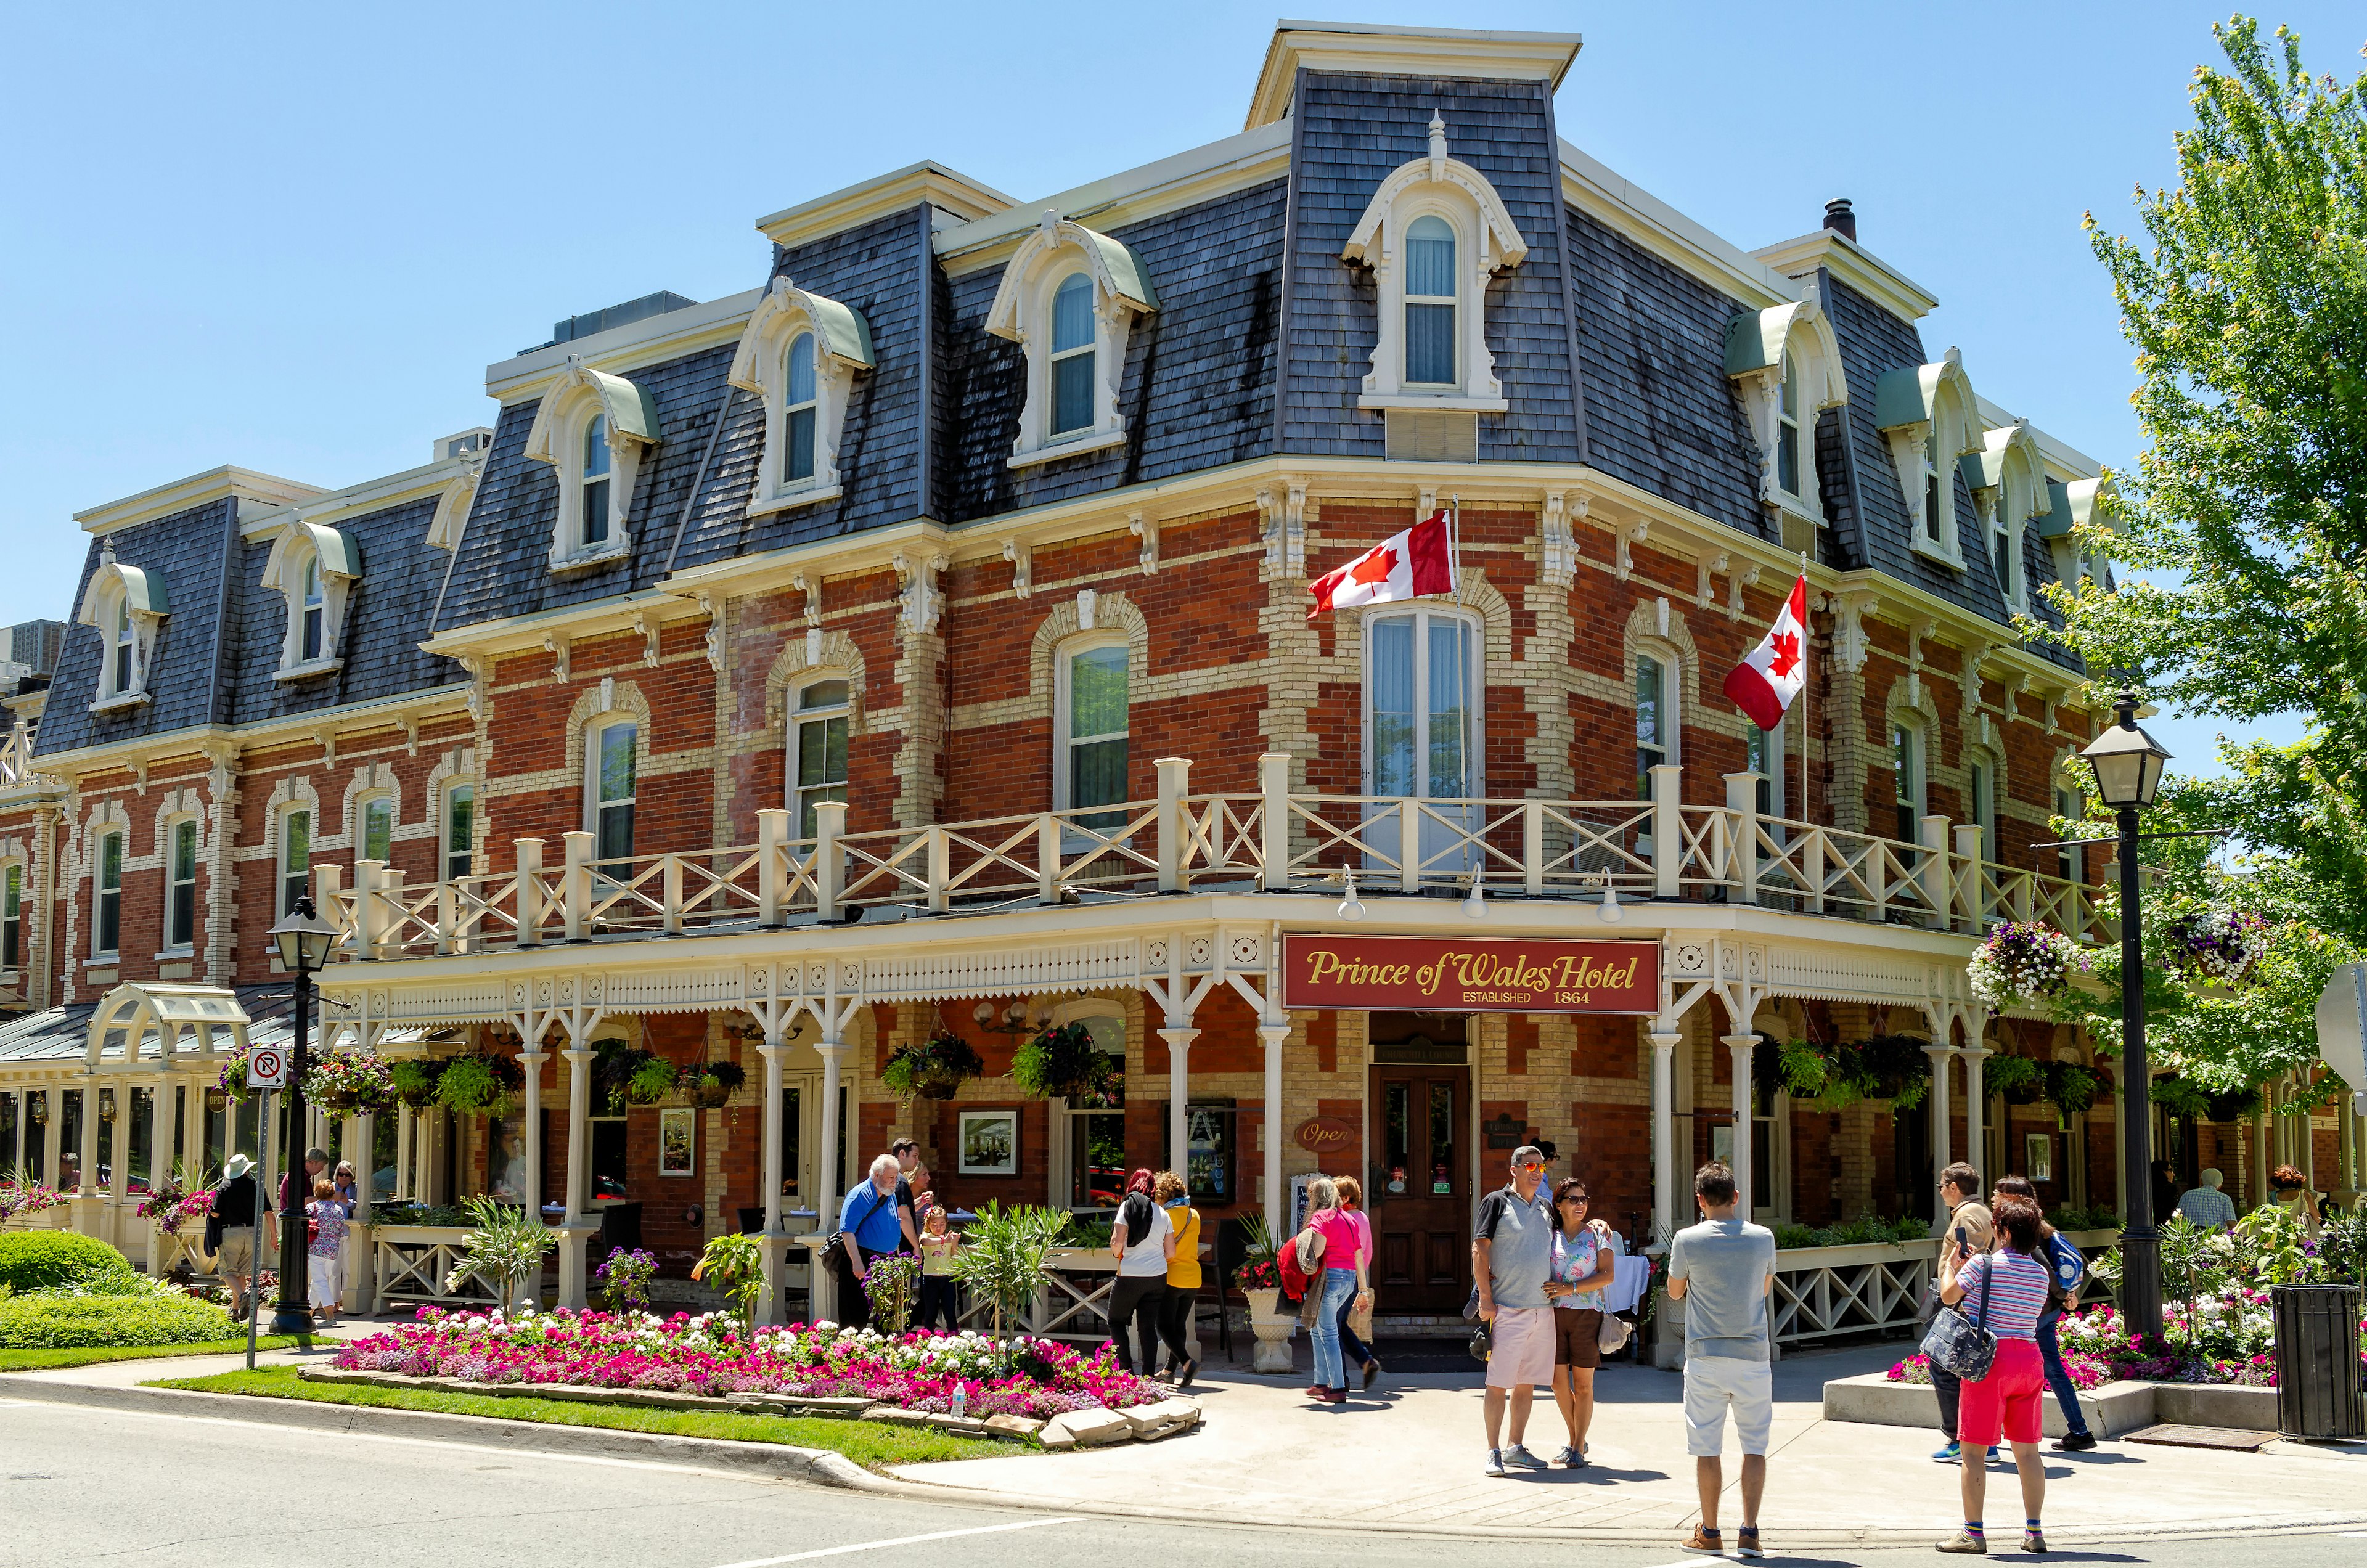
column 1072, row 446
column 305, row 672
column 1432, row 402
column 782, row 501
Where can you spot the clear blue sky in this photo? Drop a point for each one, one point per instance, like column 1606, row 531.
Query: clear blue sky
column 292, row 237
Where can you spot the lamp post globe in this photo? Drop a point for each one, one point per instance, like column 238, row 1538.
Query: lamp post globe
column 302, row 942
column 2127, row 764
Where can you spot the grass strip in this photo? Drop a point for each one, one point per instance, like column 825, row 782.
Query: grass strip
column 868, row 1443
column 88, row 1355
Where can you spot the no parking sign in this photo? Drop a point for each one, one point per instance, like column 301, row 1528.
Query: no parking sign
column 267, row 1067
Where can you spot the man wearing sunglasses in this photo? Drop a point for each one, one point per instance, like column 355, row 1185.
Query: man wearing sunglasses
column 1511, row 1254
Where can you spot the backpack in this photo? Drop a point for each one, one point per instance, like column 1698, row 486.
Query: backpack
column 2065, row 1264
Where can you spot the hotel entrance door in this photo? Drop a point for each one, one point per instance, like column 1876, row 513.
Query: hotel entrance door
column 1420, row 1190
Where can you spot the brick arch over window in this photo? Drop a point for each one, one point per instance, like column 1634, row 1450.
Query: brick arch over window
column 1913, row 699
column 599, row 702
column 372, row 779
column 186, row 801
column 791, row 666
column 1110, row 613
column 1643, row 633
column 1476, row 596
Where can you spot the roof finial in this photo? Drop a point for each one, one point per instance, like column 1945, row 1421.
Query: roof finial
column 1437, row 135
column 105, row 552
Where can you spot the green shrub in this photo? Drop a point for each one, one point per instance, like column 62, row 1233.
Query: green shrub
column 47, row 1322
column 35, row 1260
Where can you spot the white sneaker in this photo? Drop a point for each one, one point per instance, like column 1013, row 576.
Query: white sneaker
column 1495, row 1461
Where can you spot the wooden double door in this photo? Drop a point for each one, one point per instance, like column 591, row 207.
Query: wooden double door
column 1418, row 1191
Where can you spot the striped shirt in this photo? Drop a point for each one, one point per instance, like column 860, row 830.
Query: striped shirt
column 2016, row 1289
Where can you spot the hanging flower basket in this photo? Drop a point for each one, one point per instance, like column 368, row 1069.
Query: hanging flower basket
column 711, row 1083
column 2025, row 964
column 232, row 1081
column 2072, row 1089
column 653, row 1078
column 414, row 1081
column 357, row 1083
column 933, row 1069
column 479, row 1084
column 2217, row 945
column 614, row 1064
column 1063, row 1063
column 2018, row 1079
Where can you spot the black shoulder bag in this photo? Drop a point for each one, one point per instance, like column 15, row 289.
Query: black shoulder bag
column 1961, row 1345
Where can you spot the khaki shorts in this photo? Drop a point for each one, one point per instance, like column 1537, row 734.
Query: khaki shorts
column 1523, row 1353
column 1578, row 1340
column 1715, row 1384
column 237, row 1254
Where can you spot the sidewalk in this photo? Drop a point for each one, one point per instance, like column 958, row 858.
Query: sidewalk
column 1409, row 1455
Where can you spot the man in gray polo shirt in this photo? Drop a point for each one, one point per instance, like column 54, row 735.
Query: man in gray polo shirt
column 1511, row 1253
column 1723, row 1269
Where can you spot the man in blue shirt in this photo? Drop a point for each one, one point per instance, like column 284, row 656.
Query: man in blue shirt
column 868, row 1225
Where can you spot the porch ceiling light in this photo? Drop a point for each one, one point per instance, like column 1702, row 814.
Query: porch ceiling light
column 2126, row 761
column 1609, row 911
column 1351, row 907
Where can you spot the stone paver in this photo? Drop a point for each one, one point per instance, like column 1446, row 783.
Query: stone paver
column 1409, row 1457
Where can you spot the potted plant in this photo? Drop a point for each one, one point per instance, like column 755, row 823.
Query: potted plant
column 232, row 1084
column 1896, row 1069
column 414, row 1081
column 2070, row 1087
column 651, row 1080
column 711, row 1083
column 2023, row 964
column 505, row 1250
column 933, row 1069
column 479, row 1084
column 1260, row 1279
column 614, row 1063
column 2018, row 1078
column 1061, row 1061
column 357, row 1083
column 1001, row 1257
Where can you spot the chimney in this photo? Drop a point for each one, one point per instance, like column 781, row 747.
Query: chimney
column 1840, row 219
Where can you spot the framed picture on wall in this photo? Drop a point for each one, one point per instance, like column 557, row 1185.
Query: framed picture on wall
column 987, row 1143
column 2038, row 1157
column 677, row 1141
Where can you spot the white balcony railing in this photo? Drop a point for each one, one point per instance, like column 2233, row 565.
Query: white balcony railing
column 1273, row 841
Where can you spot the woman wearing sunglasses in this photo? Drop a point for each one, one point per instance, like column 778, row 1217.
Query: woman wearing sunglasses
column 1581, row 1269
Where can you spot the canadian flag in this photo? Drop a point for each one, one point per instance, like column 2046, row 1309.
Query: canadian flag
column 1770, row 675
column 1403, row 566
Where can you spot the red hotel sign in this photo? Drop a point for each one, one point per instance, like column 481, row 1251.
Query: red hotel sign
column 1414, row 973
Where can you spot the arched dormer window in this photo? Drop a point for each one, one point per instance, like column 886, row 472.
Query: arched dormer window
column 1785, row 366
column 1930, row 417
column 1074, row 336
column 2072, row 505
column 1433, row 233
column 799, row 353
column 2008, row 479
column 314, row 568
column 126, row 606
column 595, row 429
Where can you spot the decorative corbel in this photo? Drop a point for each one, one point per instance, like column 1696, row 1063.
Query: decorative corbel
column 140, row 775
column 1626, row 536
column 557, row 645
column 1736, row 581
column 1850, row 611
column 1145, row 528
column 1269, row 505
column 712, row 607
column 1425, row 501
column 1558, row 542
column 409, row 724
column 1021, row 559
column 480, row 676
column 1969, row 678
column 1707, row 567
column 2016, row 682
column 647, row 631
column 1294, row 526
column 922, row 603
column 328, row 739
column 1917, row 630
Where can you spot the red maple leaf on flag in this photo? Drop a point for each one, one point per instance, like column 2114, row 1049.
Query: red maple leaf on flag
column 1374, row 568
column 1786, row 646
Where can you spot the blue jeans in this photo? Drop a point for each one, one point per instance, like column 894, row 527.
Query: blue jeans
column 1339, row 1290
column 2057, row 1379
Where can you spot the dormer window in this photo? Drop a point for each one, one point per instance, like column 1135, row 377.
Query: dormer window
column 1787, row 431
column 2007, row 479
column 314, row 568
column 1069, row 298
column 125, row 604
column 1929, row 415
column 1785, row 366
column 595, row 429
column 799, row 352
column 1433, row 233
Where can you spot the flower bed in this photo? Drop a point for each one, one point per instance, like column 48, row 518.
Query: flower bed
column 712, row 1355
column 2233, row 1342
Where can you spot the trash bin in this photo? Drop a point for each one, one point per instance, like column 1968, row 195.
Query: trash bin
column 2319, row 1396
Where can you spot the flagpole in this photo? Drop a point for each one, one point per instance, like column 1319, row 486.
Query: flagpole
column 1807, row 693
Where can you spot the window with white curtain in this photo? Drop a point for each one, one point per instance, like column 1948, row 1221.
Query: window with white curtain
column 1430, row 302
column 1072, row 355
column 1091, row 765
column 181, row 883
column 818, row 749
column 1421, row 692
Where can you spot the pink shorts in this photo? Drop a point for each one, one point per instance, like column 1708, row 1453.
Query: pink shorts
column 2008, row 1402
column 1524, row 1357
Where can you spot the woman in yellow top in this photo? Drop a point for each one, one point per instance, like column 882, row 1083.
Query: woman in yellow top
column 1183, row 1278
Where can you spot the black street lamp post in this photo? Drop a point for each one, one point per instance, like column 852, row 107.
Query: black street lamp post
column 2127, row 763
column 303, row 939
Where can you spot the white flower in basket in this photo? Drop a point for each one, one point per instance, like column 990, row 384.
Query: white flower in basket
column 2023, row 964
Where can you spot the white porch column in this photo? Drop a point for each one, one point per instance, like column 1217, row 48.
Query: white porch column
column 531, row 1059
column 403, row 1176
column 1975, row 1109
column 88, row 1174
column 1740, row 1046
column 776, row 1243
column 1936, row 1103
column 160, row 1161
column 1179, row 1094
column 1665, row 1197
column 361, row 1133
column 833, row 1160
column 1277, row 1207
column 573, row 1283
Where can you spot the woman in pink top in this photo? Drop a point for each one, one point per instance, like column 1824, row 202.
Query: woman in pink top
column 1352, row 1348
column 1342, row 1285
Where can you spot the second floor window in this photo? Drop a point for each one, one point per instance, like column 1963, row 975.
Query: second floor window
column 2068, row 805
column 1653, row 731
column 1907, row 778
column 1430, row 302
column 1072, row 355
column 1764, row 755
column 818, row 750
column 460, row 830
column 1980, row 789
column 613, row 764
column 1093, row 766
column 1419, row 687
column 106, row 916
column 378, row 830
column 798, row 411
column 314, row 611
column 12, row 916
column 181, row 888
column 592, row 488
column 295, row 858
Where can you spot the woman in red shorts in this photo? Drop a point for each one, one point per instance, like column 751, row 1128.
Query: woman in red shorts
column 2006, row 1290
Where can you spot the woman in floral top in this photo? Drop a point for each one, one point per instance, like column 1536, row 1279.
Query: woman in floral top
column 324, row 1254
column 1579, row 1271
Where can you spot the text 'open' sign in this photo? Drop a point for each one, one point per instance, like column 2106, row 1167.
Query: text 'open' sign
column 266, row 1067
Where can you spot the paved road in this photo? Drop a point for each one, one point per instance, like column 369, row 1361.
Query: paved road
column 80, row 1485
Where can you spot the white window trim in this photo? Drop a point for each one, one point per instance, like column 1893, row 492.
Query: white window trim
column 1916, row 406
column 1063, row 687
column 1919, row 792
column 166, row 834
column 797, row 716
column 2008, row 477
column 281, row 900
column 599, row 726
column 1756, row 343
column 445, row 848
column 22, row 865
column 1060, row 1172
column 1023, row 312
column 358, row 823
column 143, row 592
column 1778, row 741
column 340, row 567
column 1475, row 759
column 1485, row 242
column 122, row 836
column 842, row 348
column 578, row 395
